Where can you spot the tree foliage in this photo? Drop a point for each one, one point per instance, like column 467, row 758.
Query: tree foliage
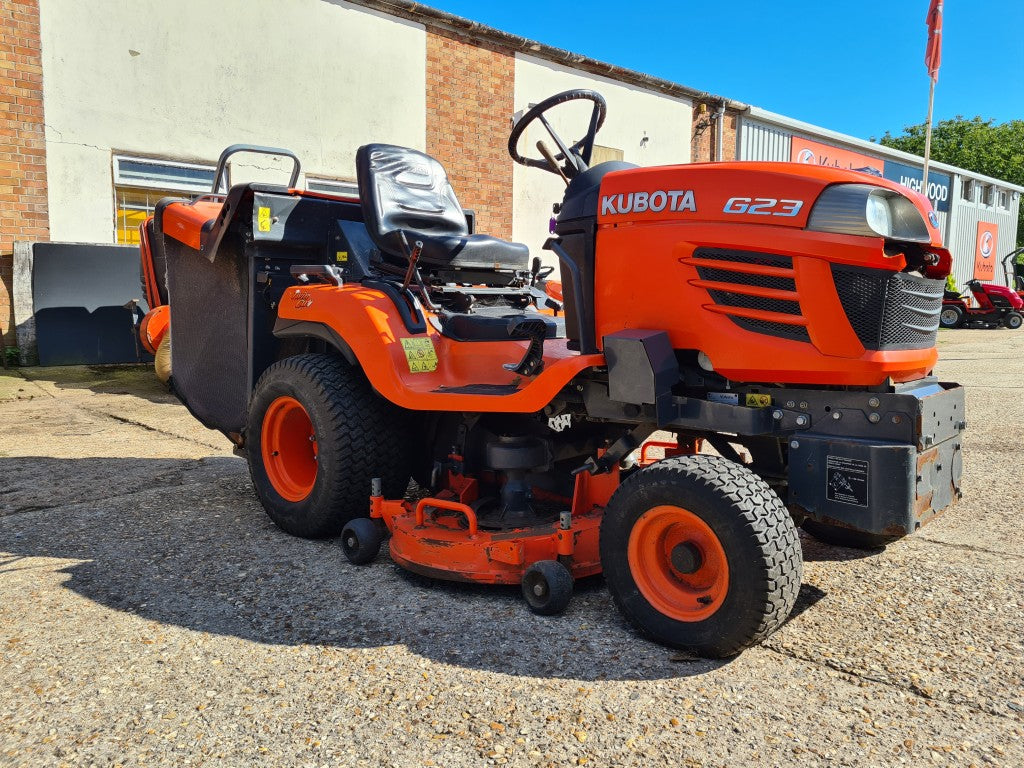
column 996, row 150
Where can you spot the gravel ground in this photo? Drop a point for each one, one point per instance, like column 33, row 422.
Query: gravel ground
column 150, row 614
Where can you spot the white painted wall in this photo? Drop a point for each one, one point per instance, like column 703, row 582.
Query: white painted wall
column 184, row 79
column 633, row 113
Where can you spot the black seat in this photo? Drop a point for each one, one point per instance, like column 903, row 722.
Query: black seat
column 406, row 191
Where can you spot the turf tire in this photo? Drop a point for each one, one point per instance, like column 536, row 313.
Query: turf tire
column 760, row 542
column 1013, row 320
column 359, row 436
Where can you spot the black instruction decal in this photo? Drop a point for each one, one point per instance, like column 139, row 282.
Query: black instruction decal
column 846, row 480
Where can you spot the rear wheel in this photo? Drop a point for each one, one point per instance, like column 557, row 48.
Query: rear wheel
column 846, row 537
column 699, row 553
column 317, row 435
column 952, row 316
column 1013, row 320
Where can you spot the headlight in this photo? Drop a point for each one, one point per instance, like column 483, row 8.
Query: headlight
column 863, row 209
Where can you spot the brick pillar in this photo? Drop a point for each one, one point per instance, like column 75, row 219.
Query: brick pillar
column 729, row 121
column 704, row 132
column 469, row 100
column 23, row 208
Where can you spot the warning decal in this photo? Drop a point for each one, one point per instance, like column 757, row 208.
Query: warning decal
column 420, row 355
column 263, row 219
column 846, row 480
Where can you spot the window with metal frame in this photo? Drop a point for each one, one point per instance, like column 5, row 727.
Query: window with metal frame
column 139, row 183
column 340, row 187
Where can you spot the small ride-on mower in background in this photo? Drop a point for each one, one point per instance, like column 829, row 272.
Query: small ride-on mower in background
column 997, row 306
column 783, row 314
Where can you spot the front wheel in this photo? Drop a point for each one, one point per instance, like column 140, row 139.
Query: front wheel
column 1013, row 320
column 699, row 553
column 317, row 435
column 952, row 316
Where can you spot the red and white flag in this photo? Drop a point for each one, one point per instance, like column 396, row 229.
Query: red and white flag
column 933, row 53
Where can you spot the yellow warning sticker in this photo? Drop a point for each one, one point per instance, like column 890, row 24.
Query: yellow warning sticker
column 420, row 354
column 341, row 256
column 758, row 400
column 263, row 219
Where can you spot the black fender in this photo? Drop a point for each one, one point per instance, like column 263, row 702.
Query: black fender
column 284, row 329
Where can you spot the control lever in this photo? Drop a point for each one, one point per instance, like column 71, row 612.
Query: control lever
column 543, row 149
column 414, row 256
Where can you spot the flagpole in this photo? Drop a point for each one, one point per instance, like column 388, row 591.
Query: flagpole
column 928, row 135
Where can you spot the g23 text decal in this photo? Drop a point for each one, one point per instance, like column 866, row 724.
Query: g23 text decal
column 763, row 206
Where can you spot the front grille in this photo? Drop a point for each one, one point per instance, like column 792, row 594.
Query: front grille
column 740, row 259
column 890, row 310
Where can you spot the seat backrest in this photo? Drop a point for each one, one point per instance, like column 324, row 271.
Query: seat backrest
column 401, row 188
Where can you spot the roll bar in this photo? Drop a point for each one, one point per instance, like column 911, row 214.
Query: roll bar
column 222, row 163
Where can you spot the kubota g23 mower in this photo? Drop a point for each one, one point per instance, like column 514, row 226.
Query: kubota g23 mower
column 783, row 314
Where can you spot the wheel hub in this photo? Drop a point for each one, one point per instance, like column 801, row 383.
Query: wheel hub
column 686, row 557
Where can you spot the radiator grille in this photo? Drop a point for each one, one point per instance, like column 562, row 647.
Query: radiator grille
column 890, row 310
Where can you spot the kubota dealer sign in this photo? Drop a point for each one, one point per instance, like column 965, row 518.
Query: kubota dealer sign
column 985, row 251
column 812, row 153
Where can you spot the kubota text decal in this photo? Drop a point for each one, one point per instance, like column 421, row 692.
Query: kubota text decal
column 657, row 201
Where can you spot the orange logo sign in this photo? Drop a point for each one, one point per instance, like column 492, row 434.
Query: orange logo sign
column 985, row 251
column 812, row 153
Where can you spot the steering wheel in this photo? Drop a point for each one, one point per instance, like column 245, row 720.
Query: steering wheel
column 577, row 155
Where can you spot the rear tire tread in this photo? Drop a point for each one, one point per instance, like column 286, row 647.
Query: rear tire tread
column 370, row 431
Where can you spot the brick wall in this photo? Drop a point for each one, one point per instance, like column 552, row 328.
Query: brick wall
column 23, row 211
column 703, row 149
column 469, row 101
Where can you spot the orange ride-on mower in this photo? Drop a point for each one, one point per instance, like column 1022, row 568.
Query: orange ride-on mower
column 783, row 314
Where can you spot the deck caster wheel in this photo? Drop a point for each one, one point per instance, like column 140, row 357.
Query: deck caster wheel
column 361, row 539
column 547, row 587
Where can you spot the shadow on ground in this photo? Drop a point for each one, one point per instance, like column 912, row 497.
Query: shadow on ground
column 138, row 380
column 185, row 543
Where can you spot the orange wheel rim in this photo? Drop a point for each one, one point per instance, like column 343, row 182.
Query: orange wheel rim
column 289, row 449
column 678, row 563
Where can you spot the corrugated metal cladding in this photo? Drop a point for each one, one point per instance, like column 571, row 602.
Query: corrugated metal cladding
column 763, row 142
column 963, row 236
